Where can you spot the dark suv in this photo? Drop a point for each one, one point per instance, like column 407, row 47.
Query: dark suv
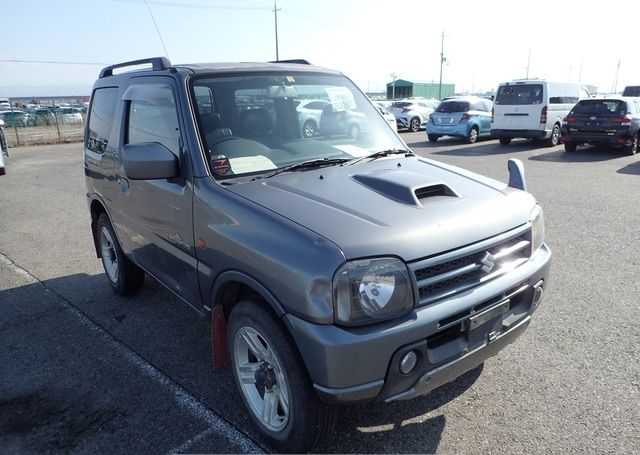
column 334, row 269
column 606, row 121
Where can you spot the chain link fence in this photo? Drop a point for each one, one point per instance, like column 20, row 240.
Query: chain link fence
column 59, row 128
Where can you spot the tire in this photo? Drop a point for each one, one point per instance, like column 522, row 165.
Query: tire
column 433, row 137
column 124, row 276
column 414, row 124
column 472, row 136
column 570, row 146
column 354, row 131
column 633, row 148
column 262, row 352
column 555, row 136
column 505, row 140
column 309, row 128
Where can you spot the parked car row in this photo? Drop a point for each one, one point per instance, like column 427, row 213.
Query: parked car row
column 533, row 109
column 43, row 116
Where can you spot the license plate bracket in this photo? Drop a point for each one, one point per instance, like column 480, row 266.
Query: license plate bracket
column 488, row 314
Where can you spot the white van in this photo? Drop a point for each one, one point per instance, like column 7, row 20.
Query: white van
column 533, row 109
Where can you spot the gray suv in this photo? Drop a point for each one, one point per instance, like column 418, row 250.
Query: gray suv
column 333, row 269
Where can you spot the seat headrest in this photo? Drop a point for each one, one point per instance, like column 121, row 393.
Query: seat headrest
column 255, row 122
column 211, row 121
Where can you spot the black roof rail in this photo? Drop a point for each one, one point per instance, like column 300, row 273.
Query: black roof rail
column 300, row 61
column 157, row 64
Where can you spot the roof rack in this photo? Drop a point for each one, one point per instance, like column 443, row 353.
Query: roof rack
column 300, row 61
column 157, row 64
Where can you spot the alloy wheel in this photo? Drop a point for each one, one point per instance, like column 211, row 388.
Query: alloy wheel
column 262, row 381
column 109, row 255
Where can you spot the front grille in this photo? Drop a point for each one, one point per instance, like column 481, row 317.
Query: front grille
column 447, row 274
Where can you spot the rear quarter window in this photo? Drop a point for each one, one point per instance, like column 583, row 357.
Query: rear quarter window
column 563, row 100
column 103, row 109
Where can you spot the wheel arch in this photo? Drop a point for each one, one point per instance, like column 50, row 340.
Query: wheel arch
column 230, row 288
column 96, row 208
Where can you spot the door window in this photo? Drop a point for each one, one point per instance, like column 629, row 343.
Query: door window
column 153, row 117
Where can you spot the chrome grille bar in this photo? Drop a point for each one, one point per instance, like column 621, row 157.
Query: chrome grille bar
column 456, row 271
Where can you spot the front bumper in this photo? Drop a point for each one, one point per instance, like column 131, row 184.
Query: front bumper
column 359, row 364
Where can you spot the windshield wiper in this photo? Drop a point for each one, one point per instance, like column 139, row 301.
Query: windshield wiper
column 383, row 153
column 310, row 164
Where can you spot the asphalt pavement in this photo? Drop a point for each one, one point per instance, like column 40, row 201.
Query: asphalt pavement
column 85, row 371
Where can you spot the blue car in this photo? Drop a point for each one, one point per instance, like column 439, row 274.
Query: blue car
column 466, row 116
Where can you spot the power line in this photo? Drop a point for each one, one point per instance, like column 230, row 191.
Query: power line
column 200, row 6
column 54, row 62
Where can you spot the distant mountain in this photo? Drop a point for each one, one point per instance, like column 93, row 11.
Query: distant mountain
column 25, row 91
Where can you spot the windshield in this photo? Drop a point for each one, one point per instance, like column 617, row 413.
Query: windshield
column 254, row 124
column 519, row 94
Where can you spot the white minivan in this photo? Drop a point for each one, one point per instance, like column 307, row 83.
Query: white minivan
column 533, row 109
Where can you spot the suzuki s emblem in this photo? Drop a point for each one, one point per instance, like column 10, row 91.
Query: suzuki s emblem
column 488, row 262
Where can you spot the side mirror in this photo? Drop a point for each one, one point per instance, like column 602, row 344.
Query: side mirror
column 148, row 161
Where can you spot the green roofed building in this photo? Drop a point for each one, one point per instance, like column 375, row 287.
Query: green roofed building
column 408, row 89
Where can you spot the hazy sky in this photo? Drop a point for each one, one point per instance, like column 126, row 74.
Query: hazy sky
column 486, row 42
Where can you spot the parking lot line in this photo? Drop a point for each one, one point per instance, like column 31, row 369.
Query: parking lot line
column 216, row 425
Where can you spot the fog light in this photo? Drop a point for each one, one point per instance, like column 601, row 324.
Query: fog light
column 408, row 362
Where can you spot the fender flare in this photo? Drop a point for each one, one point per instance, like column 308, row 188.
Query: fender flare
column 220, row 356
column 241, row 277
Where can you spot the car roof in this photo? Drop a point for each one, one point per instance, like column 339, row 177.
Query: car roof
column 612, row 98
column 466, row 98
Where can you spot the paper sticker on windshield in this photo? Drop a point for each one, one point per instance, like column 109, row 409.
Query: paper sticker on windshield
column 290, row 79
column 244, row 164
column 353, row 150
column 341, row 98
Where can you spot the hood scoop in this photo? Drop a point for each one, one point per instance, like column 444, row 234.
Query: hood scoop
column 407, row 187
column 439, row 189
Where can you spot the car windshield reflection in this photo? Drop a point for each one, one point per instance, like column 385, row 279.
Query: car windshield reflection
column 267, row 122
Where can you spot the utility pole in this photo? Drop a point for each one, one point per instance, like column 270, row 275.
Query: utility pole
column 275, row 16
column 393, row 86
column 615, row 81
column 580, row 73
column 528, row 62
column 442, row 60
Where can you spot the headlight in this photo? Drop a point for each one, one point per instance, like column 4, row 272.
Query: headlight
column 370, row 290
column 537, row 229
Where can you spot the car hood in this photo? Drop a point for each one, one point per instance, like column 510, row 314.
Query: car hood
column 409, row 207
